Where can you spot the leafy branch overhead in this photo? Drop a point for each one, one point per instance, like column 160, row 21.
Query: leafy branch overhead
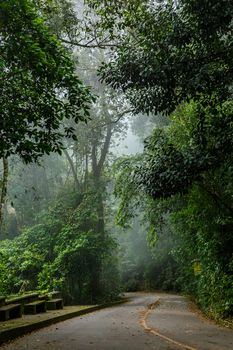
column 39, row 86
column 167, row 54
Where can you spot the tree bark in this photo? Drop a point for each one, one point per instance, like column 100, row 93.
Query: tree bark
column 72, row 167
column 4, row 187
column 97, row 167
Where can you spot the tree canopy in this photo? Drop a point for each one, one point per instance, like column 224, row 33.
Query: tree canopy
column 39, row 85
column 166, row 54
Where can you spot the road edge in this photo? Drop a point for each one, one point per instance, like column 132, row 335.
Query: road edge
column 13, row 333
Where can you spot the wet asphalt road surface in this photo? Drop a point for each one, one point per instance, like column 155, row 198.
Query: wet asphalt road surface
column 149, row 321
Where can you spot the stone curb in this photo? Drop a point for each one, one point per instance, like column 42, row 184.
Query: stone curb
column 13, row 333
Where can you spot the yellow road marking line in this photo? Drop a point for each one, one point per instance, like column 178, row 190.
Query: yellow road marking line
column 156, row 332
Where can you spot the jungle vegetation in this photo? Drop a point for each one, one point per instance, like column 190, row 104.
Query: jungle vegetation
column 74, row 214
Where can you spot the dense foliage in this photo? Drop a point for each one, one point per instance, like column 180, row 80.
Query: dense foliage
column 178, row 60
column 63, row 251
column 192, row 211
column 169, row 58
column 39, row 86
column 168, row 54
column 61, row 201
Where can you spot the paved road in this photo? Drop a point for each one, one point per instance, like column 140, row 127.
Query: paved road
column 148, row 321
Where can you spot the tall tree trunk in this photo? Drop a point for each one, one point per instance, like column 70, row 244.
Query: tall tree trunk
column 4, row 187
column 46, row 184
column 72, row 167
column 97, row 168
column 86, row 171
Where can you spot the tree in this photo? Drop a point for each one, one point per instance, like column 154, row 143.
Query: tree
column 178, row 58
column 39, row 87
column 78, row 251
column 189, row 209
column 169, row 54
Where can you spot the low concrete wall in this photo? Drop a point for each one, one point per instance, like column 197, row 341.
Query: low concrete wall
column 17, row 331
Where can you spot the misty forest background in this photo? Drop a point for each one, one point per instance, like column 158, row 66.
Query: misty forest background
column 116, row 146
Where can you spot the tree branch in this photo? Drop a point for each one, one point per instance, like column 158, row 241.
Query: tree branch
column 121, row 115
column 77, row 183
column 100, row 45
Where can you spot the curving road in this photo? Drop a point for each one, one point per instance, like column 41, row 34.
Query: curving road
column 149, row 321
